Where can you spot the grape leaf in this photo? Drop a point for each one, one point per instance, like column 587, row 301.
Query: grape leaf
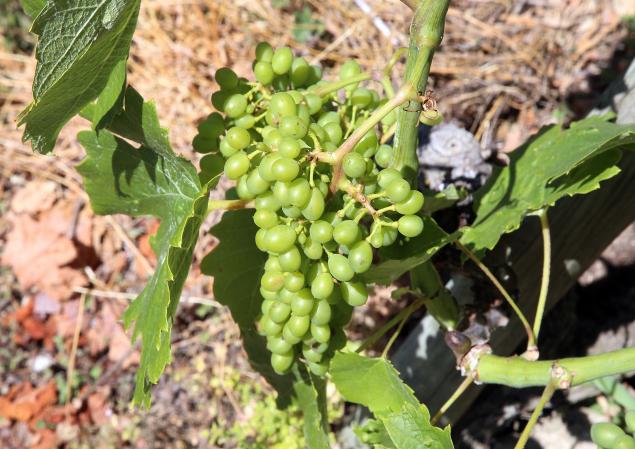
column 553, row 164
column 149, row 180
column 400, row 258
column 32, row 7
column 310, row 395
column 80, row 43
column 375, row 383
column 237, row 265
column 110, row 101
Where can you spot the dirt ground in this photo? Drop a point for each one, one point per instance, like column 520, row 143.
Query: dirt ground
column 67, row 365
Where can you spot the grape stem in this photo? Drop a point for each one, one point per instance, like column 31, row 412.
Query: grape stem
column 546, row 269
column 452, row 399
column 334, row 86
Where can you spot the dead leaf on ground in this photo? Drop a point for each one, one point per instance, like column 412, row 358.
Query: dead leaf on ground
column 24, row 402
column 34, row 197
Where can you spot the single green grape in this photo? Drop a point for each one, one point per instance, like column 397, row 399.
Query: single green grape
column 219, row 98
column 300, row 71
column 272, row 264
column 354, row 293
column 265, row 219
column 328, row 117
column 624, row 442
column 282, row 362
column 354, row 165
column 282, row 104
column 246, row 121
column 290, row 260
column 315, row 75
column 349, row 69
column 321, row 313
column 285, row 296
column 383, row 156
column 347, row 232
column 272, row 280
column 302, row 302
column 282, row 60
column 238, row 138
column 264, row 51
column 235, row 106
column 255, row 183
column 311, row 354
column 265, row 168
column 285, row 169
column 321, row 231
column 322, row 286
column 237, row 165
column 314, row 102
column 387, row 176
column 340, row 267
column 629, row 420
column 278, row 345
column 412, row 204
column 398, row 190
column 280, row 238
column 293, row 126
column 299, row 324
column 292, row 212
column 266, row 304
column 273, row 138
column 281, row 192
column 605, row 434
column 321, row 333
column 279, row 312
column 294, row 281
column 269, row 327
column 312, row 249
column 315, row 207
column 261, row 239
column 226, row 78
column 410, row 225
column 367, row 146
column 289, row 336
column 334, row 132
column 360, row 256
column 361, row 97
column 264, row 72
column 267, row 201
column 299, row 193
column 289, row 147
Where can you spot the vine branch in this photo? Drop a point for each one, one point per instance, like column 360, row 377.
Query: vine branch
column 546, row 270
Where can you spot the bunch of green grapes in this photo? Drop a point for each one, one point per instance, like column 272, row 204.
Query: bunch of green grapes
column 610, row 436
column 279, row 137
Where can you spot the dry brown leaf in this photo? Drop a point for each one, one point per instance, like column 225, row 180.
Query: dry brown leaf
column 34, row 197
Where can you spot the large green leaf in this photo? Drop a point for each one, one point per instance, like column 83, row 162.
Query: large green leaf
column 401, row 258
column 375, row 383
column 32, row 7
column 553, row 164
column 80, row 43
column 310, row 396
column 237, row 265
column 149, row 180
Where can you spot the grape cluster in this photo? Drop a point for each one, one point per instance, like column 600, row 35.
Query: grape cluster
column 610, row 436
column 279, row 137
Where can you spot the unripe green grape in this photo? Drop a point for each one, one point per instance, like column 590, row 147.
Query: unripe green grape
column 297, row 96
column 312, row 249
column 264, row 51
column 361, row 97
column 323, row 187
column 247, row 121
column 321, row 333
column 300, row 71
column 304, row 114
column 299, row 325
column 318, row 369
column 281, row 192
column 398, row 190
column 361, row 256
column 272, row 264
column 334, row 132
column 315, row 75
column 431, row 117
column 328, row 117
column 256, row 184
column 629, row 420
column 340, row 267
column 367, row 146
column 289, row 147
column 267, row 201
column 386, row 176
column 282, row 362
column 264, row 72
column 624, row 442
column 280, row 238
column 383, row 156
column 299, row 192
column 321, row 231
column 354, row 293
column 283, row 105
column 235, row 106
column 285, row 169
column 293, row 126
column 321, row 313
column 269, row 327
column 226, row 78
column 278, row 345
column 273, row 138
column 354, row 165
column 322, row 286
column 410, row 225
column 605, row 434
column 238, row 138
column 279, row 312
column 292, row 212
column 314, row 102
column 286, row 296
column 311, row 354
column 302, row 303
column 289, row 336
column 315, row 207
column 241, row 189
column 390, row 235
column 219, row 98
column 236, row 166
column 282, row 60
column 294, row 281
column 272, row 280
column 412, row 204
column 290, row 260
column 226, row 149
column 268, row 295
column 265, row 219
column 347, row 232
column 349, row 69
